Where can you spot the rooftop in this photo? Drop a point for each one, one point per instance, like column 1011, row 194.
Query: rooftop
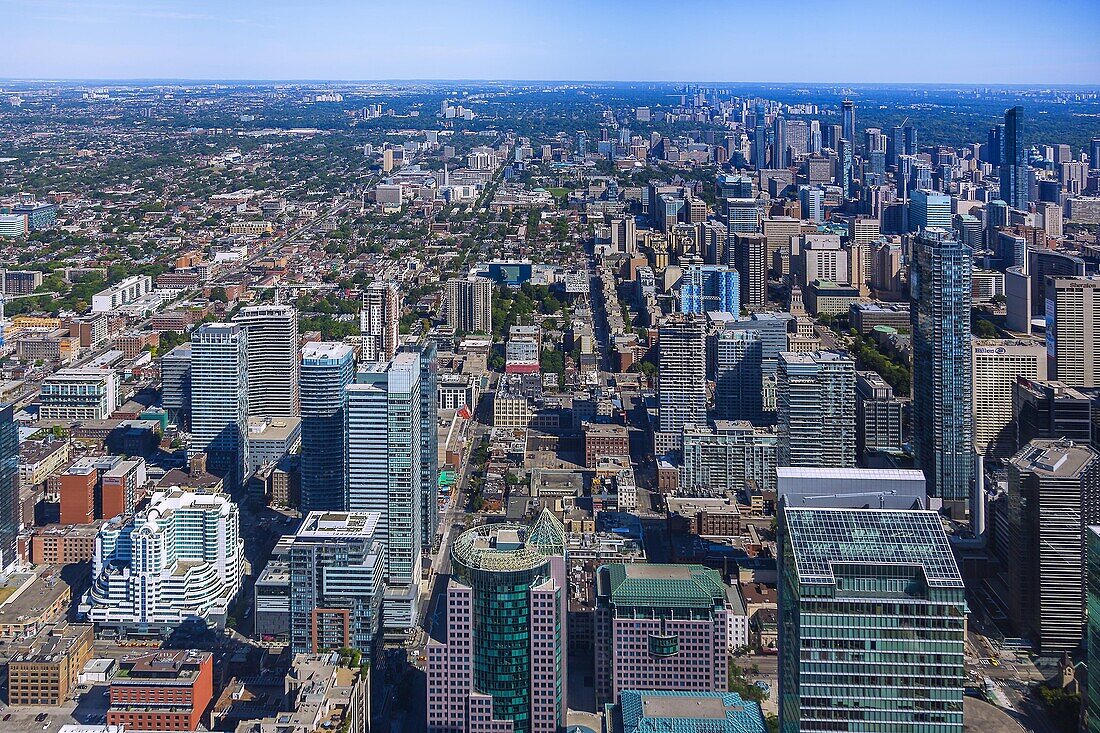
column 663, row 586
column 1054, row 457
column 823, row 537
column 667, row 711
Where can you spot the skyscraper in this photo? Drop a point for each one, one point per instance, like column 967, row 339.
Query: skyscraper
column 681, row 382
column 1013, row 173
column 738, row 375
column 812, row 200
column 272, row 359
column 994, row 145
column 760, row 140
column 1052, row 490
column 1094, row 157
column 859, row 591
column 929, row 209
column 940, row 293
column 878, row 415
column 844, row 161
column 9, row 486
column 503, row 658
column 429, row 439
column 750, row 258
column 997, row 365
column 1073, row 330
column 327, row 370
column 337, row 571
column 848, row 121
column 380, row 320
column 219, row 399
column 384, row 473
column 779, row 142
column 469, row 306
column 1092, row 638
column 816, row 409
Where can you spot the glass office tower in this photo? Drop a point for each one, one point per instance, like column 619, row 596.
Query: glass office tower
column 872, row 622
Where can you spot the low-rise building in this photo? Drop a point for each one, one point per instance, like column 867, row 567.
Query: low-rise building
column 162, row 690
column 44, row 670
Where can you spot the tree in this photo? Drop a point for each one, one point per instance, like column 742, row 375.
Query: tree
column 984, row 329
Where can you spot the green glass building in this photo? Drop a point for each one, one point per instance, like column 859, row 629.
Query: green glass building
column 1092, row 630
column 872, row 623
column 503, row 659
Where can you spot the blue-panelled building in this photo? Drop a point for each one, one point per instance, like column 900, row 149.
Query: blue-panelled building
column 705, row 288
column 327, row 370
column 9, row 485
column 943, row 378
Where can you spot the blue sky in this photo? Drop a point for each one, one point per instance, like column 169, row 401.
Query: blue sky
column 929, row 41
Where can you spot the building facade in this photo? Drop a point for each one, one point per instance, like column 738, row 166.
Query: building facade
column 273, row 363
column 219, row 399
column 327, row 370
column 380, row 320
column 816, row 409
column 502, row 663
column 943, row 378
column 860, row 590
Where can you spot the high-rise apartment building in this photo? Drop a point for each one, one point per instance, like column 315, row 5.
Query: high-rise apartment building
column 943, row 381
column 726, row 458
column 219, row 399
column 337, row 576
column 705, row 288
column 1053, row 487
column 273, row 362
column 1073, row 330
column 750, row 252
column 681, row 381
column 181, row 559
column 779, row 142
column 738, row 375
column 1013, row 162
column 327, row 370
column 760, row 140
column 816, row 409
column 469, row 306
column 384, row 473
column 997, row 363
column 742, row 216
column 428, row 352
column 660, row 627
column 859, row 591
column 502, row 663
column 380, row 320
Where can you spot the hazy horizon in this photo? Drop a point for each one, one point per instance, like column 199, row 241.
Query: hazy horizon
column 938, row 42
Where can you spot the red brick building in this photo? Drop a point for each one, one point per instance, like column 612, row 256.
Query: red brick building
column 77, row 489
column 165, row 690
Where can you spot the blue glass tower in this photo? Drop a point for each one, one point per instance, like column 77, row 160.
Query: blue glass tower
column 943, row 430
column 327, row 370
column 706, row 288
column 845, row 154
column 1013, row 160
column 9, row 485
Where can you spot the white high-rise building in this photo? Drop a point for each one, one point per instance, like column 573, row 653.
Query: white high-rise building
column 384, row 472
column 219, row 399
column 272, row 359
column 1073, row 330
column 181, row 559
column 380, row 320
column 816, row 409
column 682, row 377
column 997, row 364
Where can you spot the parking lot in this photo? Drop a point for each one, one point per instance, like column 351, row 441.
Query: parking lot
column 90, row 708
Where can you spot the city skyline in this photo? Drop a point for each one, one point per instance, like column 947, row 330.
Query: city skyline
column 491, row 40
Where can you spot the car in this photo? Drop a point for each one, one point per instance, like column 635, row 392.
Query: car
column 7, row 716
column 40, row 717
